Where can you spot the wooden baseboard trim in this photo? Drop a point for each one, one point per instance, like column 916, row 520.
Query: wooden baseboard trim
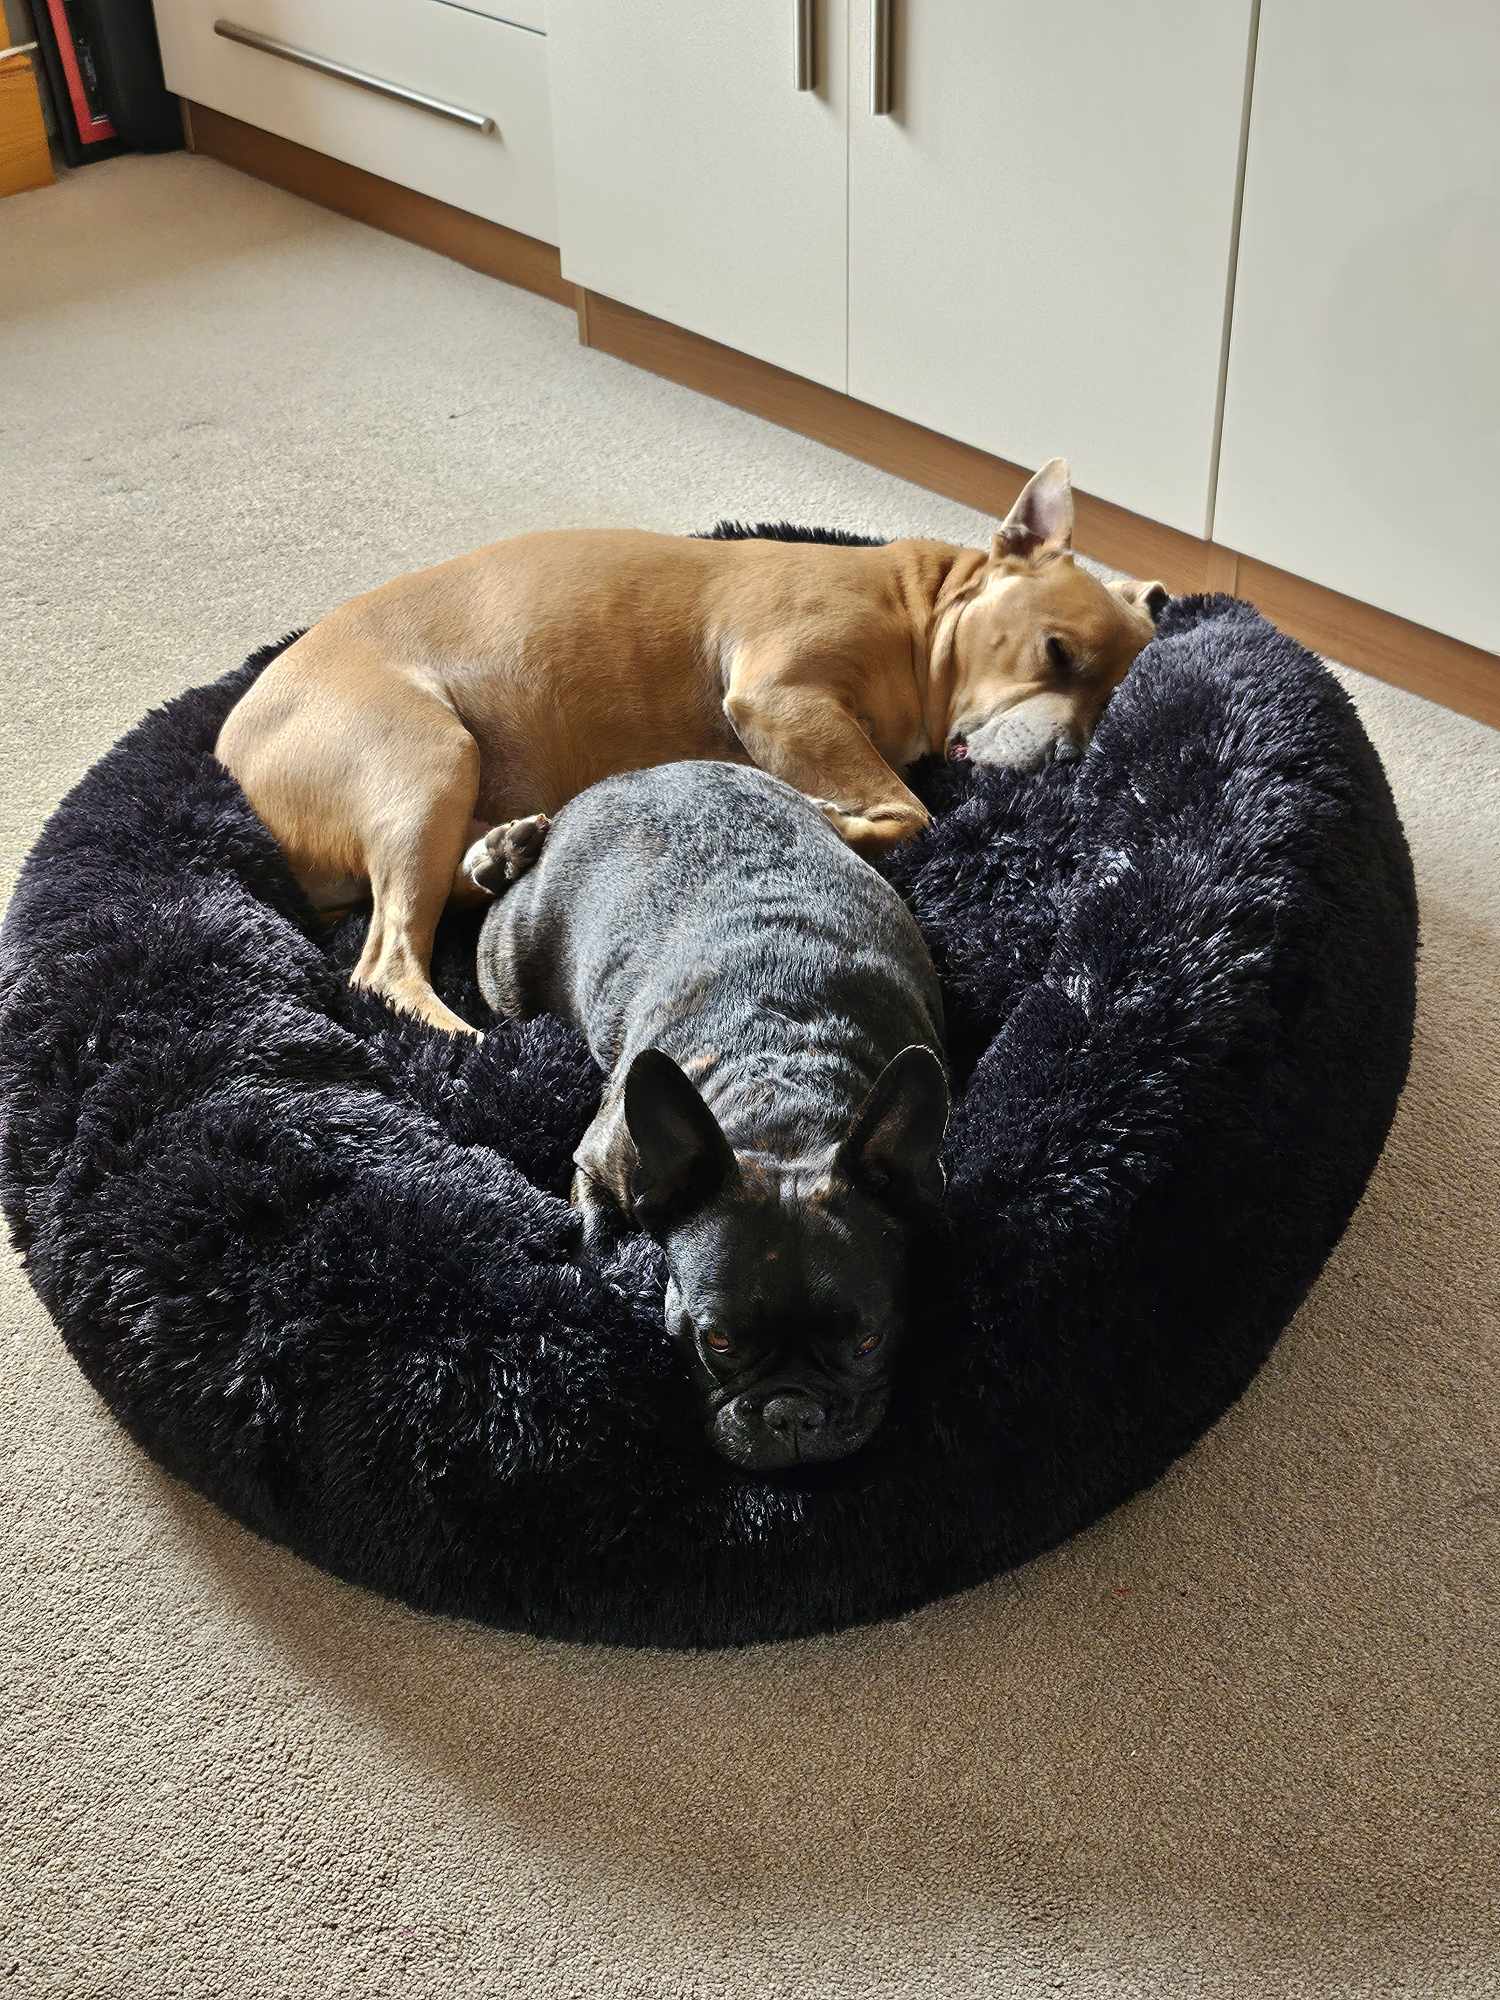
column 941, row 464
column 1391, row 648
column 484, row 246
column 1428, row 663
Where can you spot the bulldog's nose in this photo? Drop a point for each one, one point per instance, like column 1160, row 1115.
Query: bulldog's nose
column 791, row 1414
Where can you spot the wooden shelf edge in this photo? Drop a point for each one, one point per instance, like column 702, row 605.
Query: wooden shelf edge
column 484, row 246
column 25, row 157
column 1424, row 662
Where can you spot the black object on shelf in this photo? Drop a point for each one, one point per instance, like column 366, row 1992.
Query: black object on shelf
column 103, row 71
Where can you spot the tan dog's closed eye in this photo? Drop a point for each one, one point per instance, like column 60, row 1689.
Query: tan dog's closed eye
column 1038, row 643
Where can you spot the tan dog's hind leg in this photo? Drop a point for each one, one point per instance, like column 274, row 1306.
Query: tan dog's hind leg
column 364, row 775
column 810, row 738
column 413, row 852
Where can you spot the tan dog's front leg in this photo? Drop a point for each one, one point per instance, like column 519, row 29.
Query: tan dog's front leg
column 810, row 738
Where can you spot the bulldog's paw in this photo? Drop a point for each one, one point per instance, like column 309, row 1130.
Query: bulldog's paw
column 506, row 852
column 601, row 1225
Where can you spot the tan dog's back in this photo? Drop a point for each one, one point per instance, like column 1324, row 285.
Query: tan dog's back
column 566, row 656
column 410, row 723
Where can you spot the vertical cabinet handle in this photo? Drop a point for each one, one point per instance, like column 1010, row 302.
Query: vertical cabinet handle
column 880, row 58
column 804, row 63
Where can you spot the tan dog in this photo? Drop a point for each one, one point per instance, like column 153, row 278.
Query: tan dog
column 424, row 718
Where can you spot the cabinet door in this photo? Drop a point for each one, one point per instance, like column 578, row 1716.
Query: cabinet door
column 1362, row 415
column 1041, row 231
column 695, row 181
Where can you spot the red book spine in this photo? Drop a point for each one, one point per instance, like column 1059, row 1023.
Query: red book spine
column 92, row 125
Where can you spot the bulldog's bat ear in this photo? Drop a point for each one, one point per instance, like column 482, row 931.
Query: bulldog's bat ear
column 681, row 1154
column 1041, row 522
column 893, row 1148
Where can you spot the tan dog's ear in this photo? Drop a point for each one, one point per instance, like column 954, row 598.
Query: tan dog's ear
column 1152, row 598
column 1041, row 522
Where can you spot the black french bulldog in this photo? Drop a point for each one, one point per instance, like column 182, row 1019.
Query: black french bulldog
column 768, row 1017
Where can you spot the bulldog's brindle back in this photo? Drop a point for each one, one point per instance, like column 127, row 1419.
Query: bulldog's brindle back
column 768, row 1018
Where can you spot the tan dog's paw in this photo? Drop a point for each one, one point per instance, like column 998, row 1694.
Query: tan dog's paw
column 877, row 829
column 506, row 852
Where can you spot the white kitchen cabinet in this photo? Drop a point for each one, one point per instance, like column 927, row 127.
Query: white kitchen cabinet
column 695, row 181
column 1362, row 415
column 1041, row 230
column 494, row 158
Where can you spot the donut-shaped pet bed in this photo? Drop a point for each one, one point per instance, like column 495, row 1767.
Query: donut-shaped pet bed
column 319, row 1262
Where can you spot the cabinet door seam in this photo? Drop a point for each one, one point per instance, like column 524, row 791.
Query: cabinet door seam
column 1232, row 273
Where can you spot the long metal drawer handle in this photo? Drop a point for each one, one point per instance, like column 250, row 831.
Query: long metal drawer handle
column 880, row 58
column 804, row 62
column 326, row 66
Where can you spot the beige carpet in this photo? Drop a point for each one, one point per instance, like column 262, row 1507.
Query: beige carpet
column 1239, row 1740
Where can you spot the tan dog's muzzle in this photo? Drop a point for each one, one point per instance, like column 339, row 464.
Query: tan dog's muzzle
column 1039, row 730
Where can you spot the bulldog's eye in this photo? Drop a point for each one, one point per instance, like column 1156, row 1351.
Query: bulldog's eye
column 869, row 1344
column 719, row 1342
column 1058, row 655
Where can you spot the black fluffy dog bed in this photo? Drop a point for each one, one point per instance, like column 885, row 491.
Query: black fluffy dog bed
column 319, row 1261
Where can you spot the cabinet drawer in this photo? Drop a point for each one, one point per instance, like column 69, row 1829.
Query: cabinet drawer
column 459, row 60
